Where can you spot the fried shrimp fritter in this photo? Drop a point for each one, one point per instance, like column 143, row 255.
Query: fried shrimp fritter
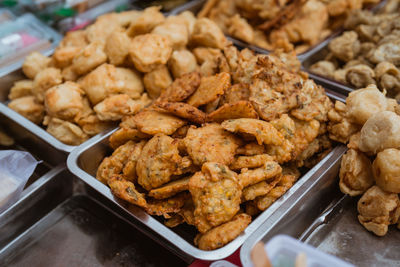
column 269, row 170
column 240, row 109
column 167, row 206
column 216, row 194
column 126, row 190
column 184, row 111
column 181, row 88
column 158, row 161
column 263, row 131
column 170, row 189
column 223, row 234
column 211, row 143
column 153, row 122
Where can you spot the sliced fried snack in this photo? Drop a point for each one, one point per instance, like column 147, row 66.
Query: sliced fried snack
column 210, row 89
column 170, row 189
column 165, row 207
column 269, row 170
column 211, row 143
column 122, row 135
column 250, row 161
column 251, row 149
column 181, row 88
column 216, row 194
column 126, row 190
column 259, row 189
column 223, row 234
column 263, row 131
column 240, row 109
column 158, row 161
column 183, row 110
column 153, row 122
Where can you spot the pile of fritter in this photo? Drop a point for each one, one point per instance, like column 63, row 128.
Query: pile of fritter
column 287, row 24
column 370, row 124
column 213, row 151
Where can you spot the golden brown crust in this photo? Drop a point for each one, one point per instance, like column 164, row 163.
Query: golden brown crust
column 184, row 111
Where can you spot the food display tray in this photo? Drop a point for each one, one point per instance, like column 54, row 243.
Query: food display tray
column 326, row 219
column 85, row 159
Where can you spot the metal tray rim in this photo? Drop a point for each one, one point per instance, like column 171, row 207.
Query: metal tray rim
column 162, row 230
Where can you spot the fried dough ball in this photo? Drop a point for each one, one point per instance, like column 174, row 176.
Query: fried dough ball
column 44, row 80
column 146, row 21
column 66, row 132
column 89, row 58
column 377, row 209
column 216, row 194
column 381, row 131
column 355, row 173
column 125, row 190
column 28, row 107
column 64, row 101
column 181, row 62
column 211, row 143
column 157, row 81
column 21, row 88
column 35, row 63
column 386, row 169
column 207, row 33
column 158, row 161
column 223, row 234
column 362, row 104
column 117, row 47
column 176, row 30
column 149, row 51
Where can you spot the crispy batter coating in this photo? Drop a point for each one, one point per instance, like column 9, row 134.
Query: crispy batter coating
column 223, row 234
column 65, row 131
column 216, row 195
column 153, row 122
column 44, row 80
column 63, row 56
column 355, row 173
column 158, row 161
column 210, row 89
column 181, row 88
column 157, row 81
column 207, row 33
column 129, row 169
column 240, row 109
column 145, row 21
column 263, row 131
column 386, row 169
column 249, row 161
column 29, row 107
column 183, row 110
column 122, row 135
column 165, row 207
column 251, row 149
column 259, row 189
column 211, row 143
column 128, row 81
column 176, row 30
column 170, row 189
column 182, row 62
column 89, row 58
column 269, row 170
column 35, row 63
column 21, row 88
column 236, row 93
column 126, row 190
column 377, row 209
column 117, row 47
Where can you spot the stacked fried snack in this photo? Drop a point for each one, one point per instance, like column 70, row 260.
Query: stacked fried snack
column 280, row 24
column 112, row 69
column 214, row 150
column 370, row 123
column 368, row 52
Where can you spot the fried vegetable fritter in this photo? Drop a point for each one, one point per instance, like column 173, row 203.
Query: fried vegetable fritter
column 170, row 189
column 153, row 122
column 125, row 190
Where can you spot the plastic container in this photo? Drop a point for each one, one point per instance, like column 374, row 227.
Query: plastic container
column 283, row 250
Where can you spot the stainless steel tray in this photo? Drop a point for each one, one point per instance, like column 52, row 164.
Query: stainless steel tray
column 326, row 219
column 84, row 161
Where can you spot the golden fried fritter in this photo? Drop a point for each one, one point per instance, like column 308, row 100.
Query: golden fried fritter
column 211, row 143
column 240, row 109
column 259, row 189
column 153, row 122
column 170, row 189
column 129, row 169
column 235, row 93
column 167, row 206
column 251, row 149
column 126, row 190
column 269, row 170
column 181, row 88
column 216, row 195
column 122, row 135
column 250, row 161
column 184, row 111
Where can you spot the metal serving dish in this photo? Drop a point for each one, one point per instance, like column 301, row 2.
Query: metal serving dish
column 84, row 161
column 326, row 219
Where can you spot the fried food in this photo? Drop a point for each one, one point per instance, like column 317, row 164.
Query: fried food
column 263, row 131
column 235, row 93
column 211, row 143
column 386, row 170
column 145, row 21
column 210, row 89
column 29, row 107
column 355, row 173
column 255, row 161
column 182, row 62
column 35, row 63
column 259, row 189
column 165, row 207
column 223, row 234
column 89, row 58
column 184, row 111
column 117, row 47
column 170, row 189
column 21, row 88
column 251, row 149
column 206, row 33
column 124, row 134
column 267, row 171
column 157, row 81
column 181, row 88
column 240, row 109
column 176, row 30
column 44, row 80
column 216, row 195
column 153, row 122
column 377, row 209
column 126, row 190
column 65, row 131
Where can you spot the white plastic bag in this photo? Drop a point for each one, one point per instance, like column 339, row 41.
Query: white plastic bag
column 15, row 169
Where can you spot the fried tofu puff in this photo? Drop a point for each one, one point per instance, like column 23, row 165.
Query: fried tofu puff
column 216, row 194
column 176, row 30
column 117, row 47
column 181, row 88
column 35, row 63
column 211, row 143
column 182, row 62
column 263, row 131
column 44, row 80
column 65, row 131
column 355, row 173
column 158, row 161
column 145, row 21
column 64, row 101
column 21, row 88
column 153, row 122
column 207, row 33
column 223, row 234
column 126, row 190
column 377, row 209
column 29, row 107
column 386, row 169
column 150, row 51
column 157, row 81
column 89, row 58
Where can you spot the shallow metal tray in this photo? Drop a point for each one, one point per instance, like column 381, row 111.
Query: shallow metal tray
column 326, row 219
